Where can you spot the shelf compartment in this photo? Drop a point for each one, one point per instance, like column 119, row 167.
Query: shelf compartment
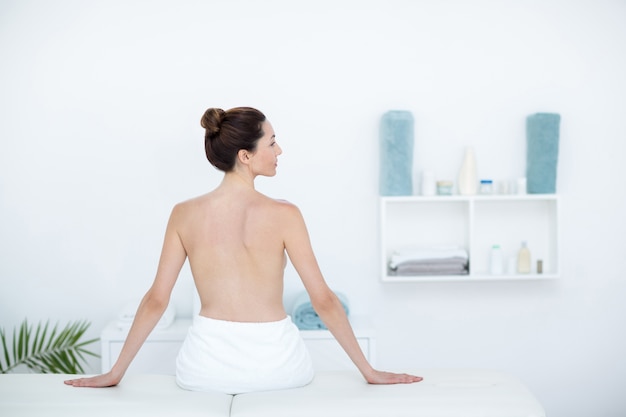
column 436, row 223
column 510, row 222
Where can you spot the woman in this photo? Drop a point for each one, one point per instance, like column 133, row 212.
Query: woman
column 235, row 239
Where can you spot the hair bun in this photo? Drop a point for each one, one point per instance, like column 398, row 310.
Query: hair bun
column 212, row 121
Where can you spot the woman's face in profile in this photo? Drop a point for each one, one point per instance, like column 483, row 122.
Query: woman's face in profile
column 264, row 160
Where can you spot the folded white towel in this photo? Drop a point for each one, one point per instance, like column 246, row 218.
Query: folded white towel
column 237, row 357
column 431, row 269
column 427, row 254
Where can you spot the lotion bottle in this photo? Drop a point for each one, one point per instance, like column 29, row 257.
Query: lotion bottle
column 468, row 176
column 523, row 259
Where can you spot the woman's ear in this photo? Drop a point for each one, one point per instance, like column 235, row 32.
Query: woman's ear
column 244, row 156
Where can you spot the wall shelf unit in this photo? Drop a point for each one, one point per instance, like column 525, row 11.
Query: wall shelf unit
column 474, row 223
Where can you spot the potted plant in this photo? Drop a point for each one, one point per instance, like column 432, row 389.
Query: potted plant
column 46, row 350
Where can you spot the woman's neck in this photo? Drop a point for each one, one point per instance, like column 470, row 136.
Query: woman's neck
column 238, row 179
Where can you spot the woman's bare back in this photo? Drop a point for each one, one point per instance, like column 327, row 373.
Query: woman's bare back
column 235, row 246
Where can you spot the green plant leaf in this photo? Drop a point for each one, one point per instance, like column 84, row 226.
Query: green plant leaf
column 6, row 351
column 47, row 352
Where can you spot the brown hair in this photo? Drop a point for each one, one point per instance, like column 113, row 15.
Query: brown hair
column 227, row 132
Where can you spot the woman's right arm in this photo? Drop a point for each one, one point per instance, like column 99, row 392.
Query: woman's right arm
column 151, row 308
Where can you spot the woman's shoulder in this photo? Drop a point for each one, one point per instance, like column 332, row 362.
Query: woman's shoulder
column 193, row 201
column 289, row 214
column 280, row 209
column 282, row 203
column 191, row 205
column 285, row 205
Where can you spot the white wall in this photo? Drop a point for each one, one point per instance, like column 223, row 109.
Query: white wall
column 100, row 105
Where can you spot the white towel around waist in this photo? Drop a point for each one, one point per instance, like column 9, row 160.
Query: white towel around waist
column 238, row 357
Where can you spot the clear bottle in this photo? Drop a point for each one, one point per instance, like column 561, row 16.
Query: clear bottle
column 523, row 259
column 496, row 266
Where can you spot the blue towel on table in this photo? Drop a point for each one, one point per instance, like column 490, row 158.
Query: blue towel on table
column 305, row 317
column 542, row 152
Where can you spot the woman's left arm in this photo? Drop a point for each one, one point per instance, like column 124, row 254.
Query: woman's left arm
column 326, row 303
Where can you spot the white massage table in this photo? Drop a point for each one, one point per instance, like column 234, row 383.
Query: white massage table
column 443, row 393
column 26, row 395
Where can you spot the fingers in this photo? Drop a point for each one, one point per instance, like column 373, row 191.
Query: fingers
column 95, row 382
column 82, row 382
column 409, row 379
column 75, row 382
column 392, row 378
column 405, row 379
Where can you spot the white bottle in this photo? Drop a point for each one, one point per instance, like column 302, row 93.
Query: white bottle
column 496, row 267
column 523, row 259
column 468, row 176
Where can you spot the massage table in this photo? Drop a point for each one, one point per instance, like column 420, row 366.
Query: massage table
column 442, row 393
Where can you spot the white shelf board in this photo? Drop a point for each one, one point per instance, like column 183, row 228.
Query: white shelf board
column 469, row 278
column 477, row 197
